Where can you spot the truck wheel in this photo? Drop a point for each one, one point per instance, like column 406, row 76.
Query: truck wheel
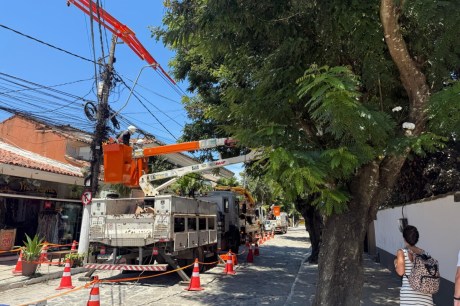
column 199, row 253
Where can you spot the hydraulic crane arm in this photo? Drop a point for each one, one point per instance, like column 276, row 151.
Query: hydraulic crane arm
column 124, row 166
column 146, row 180
column 239, row 190
column 185, row 146
column 120, row 30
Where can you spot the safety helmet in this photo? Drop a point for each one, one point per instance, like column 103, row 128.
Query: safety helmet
column 132, row 129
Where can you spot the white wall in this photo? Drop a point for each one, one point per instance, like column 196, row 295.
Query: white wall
column 438, row 222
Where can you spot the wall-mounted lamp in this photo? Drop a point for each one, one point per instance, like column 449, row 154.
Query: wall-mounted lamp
column 402, row 224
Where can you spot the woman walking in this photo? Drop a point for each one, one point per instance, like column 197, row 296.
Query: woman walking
column 403, row 265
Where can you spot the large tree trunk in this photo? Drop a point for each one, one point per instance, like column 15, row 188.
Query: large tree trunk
column 313, row 225
column 340, row 263
column 340, row 278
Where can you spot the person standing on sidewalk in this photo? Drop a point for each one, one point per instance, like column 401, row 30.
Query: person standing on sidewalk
column 457, row 283
column 403, row 265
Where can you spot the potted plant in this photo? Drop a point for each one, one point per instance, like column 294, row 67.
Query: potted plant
column 31, row 254
column 76, row 259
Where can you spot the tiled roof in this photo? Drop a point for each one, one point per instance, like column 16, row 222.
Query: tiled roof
column 15, row 156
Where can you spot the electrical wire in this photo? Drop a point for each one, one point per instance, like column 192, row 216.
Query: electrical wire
column 148, row 110
column 50, row 86
column 27, row 99
column 93, row 48
column 98, row 12
column 137, row 95
column 149, row 90
column 43, row 102
column 47, row 44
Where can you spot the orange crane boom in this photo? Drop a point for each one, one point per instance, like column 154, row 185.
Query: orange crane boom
column 120, row 30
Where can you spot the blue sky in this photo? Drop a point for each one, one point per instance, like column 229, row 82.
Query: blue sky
column 67, row 27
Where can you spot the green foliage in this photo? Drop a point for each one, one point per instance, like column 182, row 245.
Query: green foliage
column 311, row 82
column 32, row 248
column 425, row 143
column 334, row 106
column 190, row 184
column 444, row 110
column 332, row 201
column 122, row 190
column 75, row 258
column 341, row 159
column 232, row 182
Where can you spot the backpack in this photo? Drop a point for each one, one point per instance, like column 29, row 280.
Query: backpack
column 424, row 276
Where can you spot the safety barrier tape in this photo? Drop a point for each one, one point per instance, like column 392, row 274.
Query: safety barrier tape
column 13, row 250
column 52, row 245
column 59, row 294
column 47, row 262
column 208, row 263
column 118, row 280
column 87, row 285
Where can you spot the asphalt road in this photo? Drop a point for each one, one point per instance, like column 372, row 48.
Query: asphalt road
column 267, row 281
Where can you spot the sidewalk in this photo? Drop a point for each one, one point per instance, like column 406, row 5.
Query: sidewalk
column 381, row 287
column 45, row 272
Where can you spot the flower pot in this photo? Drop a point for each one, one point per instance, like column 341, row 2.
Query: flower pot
column 28, row 268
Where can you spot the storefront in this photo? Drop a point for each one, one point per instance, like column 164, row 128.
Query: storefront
column 51, row 210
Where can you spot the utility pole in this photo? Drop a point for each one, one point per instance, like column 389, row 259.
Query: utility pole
column 102, row 117
column 96, row 145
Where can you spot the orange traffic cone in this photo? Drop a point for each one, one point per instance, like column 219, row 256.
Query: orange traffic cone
column 18, row 268
column 74, row 246
column 229, row 265
column 250, row 257
column 256, row 249
column 66, row 280
column 44, row 254
column 195, row 284
column 94, row 299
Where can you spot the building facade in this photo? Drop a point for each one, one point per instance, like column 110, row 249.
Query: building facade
column 42, row 170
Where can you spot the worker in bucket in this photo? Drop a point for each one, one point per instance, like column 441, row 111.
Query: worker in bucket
column 124, row 136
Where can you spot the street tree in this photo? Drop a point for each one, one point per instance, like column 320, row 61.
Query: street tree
column 190, row 185
column 337, row 94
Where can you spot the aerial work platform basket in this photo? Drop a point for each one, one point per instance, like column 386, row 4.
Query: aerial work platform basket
column 118, row 164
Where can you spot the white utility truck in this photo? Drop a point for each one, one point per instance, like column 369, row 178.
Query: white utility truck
column 150, row 233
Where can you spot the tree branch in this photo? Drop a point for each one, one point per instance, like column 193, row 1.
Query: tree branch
column 412, row 77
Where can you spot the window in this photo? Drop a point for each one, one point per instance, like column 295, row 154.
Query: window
column 211, row 223
column 202, row 224
column 179, row 225
column 191, row 224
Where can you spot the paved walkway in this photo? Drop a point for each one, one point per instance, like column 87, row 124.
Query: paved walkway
column 45, row 272
column 381, row 286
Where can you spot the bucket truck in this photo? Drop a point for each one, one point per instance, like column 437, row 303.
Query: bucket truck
column 161, row 229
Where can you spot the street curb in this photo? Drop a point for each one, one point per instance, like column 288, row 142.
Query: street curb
column 40, row 279
column 291, row 293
